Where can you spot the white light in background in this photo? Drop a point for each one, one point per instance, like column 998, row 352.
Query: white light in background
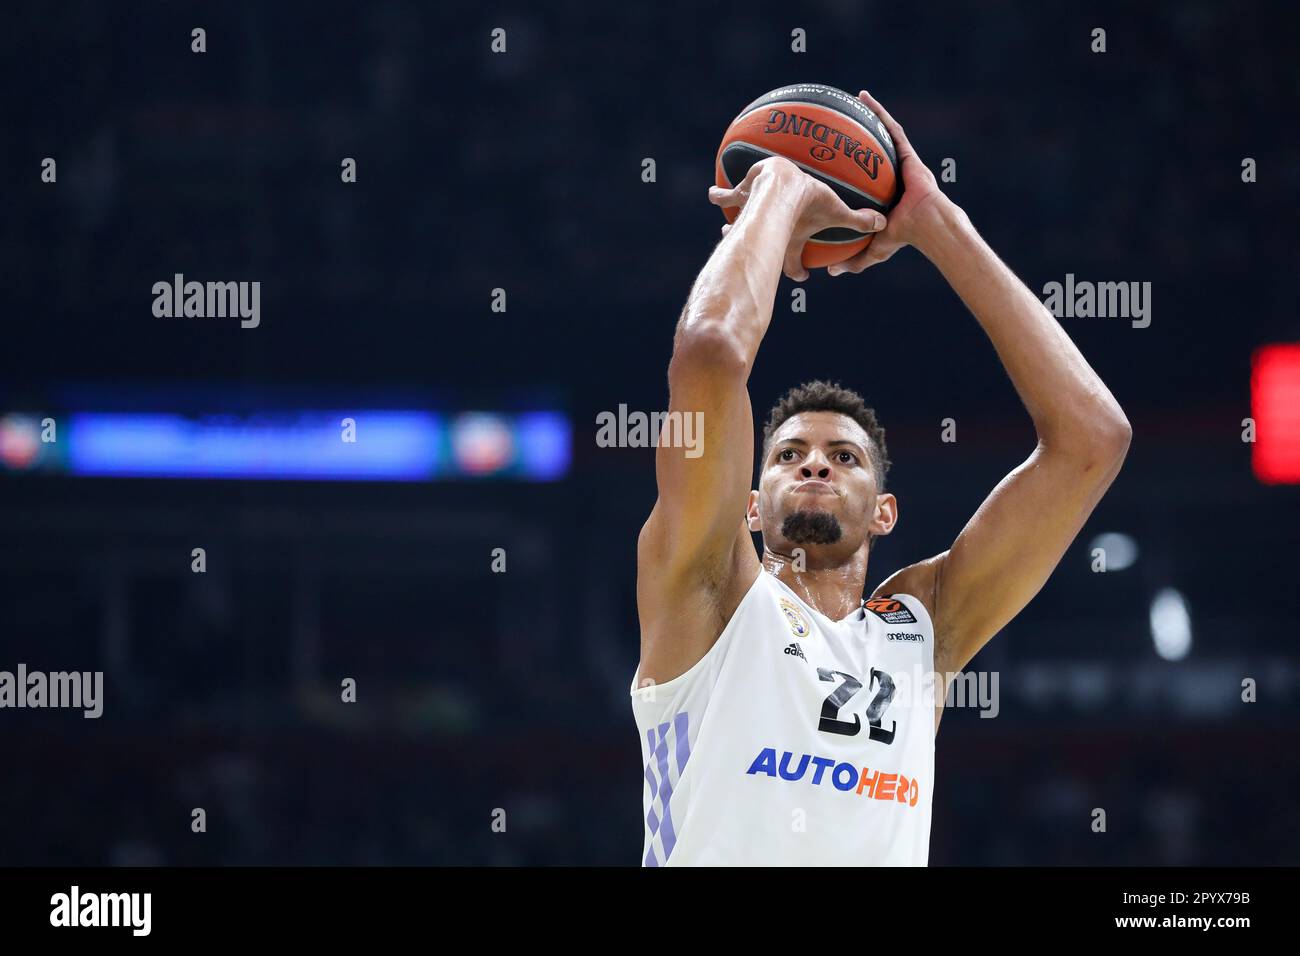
column 1121, row 550
column 1171, row 625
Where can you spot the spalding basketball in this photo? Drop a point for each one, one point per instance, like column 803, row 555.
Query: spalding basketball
column 833, row 137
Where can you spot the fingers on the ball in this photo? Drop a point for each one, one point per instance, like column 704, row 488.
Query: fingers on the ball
column 718, row 195
column 793, row 266
column 868, row 220
column 895, row 128
column 875, row 258
column 874, row 254
column 853, row 266
column 877, row 108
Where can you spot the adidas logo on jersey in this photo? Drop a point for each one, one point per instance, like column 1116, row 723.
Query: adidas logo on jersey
column 796, row 651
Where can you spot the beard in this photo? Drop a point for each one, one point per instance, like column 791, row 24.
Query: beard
column 811, row 527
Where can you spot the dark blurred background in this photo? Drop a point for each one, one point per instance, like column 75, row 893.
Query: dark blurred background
column 522, row 171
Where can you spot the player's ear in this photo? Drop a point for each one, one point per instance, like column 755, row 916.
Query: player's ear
column 752, row 520
column 886, row 515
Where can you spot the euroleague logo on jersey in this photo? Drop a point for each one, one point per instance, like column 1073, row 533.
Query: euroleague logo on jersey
column 890, row 610
column 794, row 617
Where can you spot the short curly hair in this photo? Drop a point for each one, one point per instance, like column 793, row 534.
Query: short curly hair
column 821, row 396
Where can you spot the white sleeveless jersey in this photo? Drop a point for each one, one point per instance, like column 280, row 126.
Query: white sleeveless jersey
column 796, row 740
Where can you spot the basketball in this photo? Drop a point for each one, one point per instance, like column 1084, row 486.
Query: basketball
column 830, row 135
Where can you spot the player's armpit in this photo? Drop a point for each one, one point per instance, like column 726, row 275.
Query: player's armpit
column 682, row 618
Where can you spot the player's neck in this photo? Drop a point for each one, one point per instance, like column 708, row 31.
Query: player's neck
column 834, row 590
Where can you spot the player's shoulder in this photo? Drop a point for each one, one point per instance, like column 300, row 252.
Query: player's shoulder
column 918, row 581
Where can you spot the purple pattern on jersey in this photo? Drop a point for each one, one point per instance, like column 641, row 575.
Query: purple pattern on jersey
column 659, row 755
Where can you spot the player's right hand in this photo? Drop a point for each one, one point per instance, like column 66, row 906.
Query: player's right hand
column 816, row 206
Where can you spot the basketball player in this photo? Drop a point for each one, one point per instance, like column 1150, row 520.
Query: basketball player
column 782, row 719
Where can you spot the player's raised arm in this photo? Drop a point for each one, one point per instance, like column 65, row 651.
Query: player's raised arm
column 1005, row 553
column 687, row 555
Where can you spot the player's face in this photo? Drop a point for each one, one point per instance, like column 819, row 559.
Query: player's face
column 818, row 489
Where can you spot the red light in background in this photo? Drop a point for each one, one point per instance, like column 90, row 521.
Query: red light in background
column 482, row 443
column 20, row 443
column 1275, row 406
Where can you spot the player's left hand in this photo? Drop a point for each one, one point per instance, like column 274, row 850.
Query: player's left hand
column 909, row 219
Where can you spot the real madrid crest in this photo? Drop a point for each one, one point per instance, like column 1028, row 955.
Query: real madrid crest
column 794, row 617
